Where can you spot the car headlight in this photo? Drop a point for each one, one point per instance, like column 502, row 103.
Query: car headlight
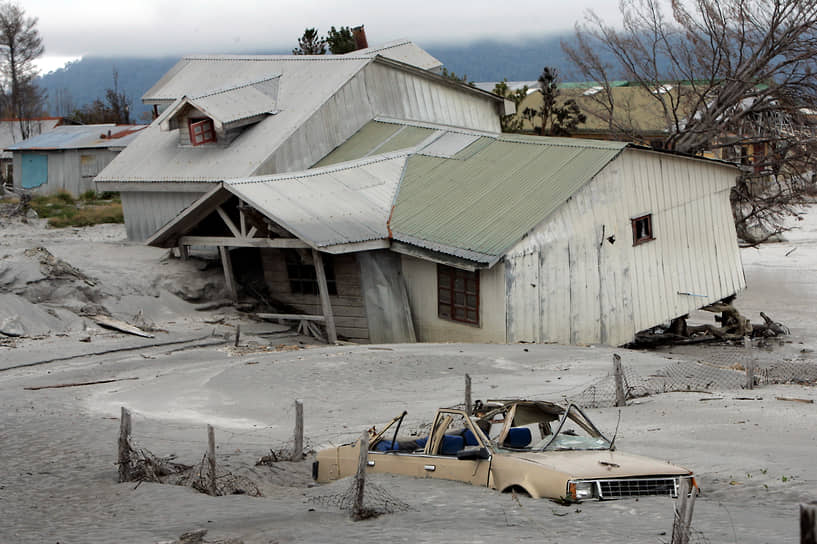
column 579, row 491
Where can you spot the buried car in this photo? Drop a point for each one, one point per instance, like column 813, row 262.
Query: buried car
column 540, row 448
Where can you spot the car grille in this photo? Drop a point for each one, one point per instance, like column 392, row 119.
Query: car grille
column 637, row 487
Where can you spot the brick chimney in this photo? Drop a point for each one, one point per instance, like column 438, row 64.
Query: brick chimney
column 359, row 34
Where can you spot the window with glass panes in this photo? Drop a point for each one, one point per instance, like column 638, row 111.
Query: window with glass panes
column 457, row 294
column 202, row 131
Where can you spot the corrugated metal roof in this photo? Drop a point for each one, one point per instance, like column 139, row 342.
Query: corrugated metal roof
column 483, row 204
column 10, row 131
column 305, row 86
column 329, row 206
column 403, row 51
column 81, row 137
column 377, row 137
column 240, row 102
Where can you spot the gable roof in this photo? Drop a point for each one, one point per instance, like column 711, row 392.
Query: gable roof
column 403, row 51
column 102, row 136
column 463, row 193
column 326, row 207
column 486, row 197
column 232, row 106
column 236, row 87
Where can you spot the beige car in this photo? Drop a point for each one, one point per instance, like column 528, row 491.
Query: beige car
column 535, row 447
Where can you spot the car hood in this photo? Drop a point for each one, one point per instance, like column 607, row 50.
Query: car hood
column 599, row 464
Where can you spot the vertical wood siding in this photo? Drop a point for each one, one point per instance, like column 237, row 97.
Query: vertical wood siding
column 347, row 306
column 566, row 283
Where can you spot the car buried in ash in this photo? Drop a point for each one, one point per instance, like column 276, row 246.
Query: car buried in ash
column 536, row 447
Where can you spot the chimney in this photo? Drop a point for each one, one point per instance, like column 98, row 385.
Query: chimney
column 359, row 34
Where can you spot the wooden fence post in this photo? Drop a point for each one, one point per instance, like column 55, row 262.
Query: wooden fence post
column 359, row 484
column 808, row 523
column 298, row 448
column 124, row 445
column 237, row 334
column 621, row 396
column 684, row 506
column 468, row 394
column 750, row 363
column 211, row 461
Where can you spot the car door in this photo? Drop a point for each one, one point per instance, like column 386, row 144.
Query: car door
column 440, row 461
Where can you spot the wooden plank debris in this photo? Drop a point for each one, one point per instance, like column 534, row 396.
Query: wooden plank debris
column 119, row 325
column 76, row 384
column 793, row 399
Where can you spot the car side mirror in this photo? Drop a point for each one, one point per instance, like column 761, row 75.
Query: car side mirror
column 473, row 453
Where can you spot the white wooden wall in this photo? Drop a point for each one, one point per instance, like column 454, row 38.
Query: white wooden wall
column 566, row 283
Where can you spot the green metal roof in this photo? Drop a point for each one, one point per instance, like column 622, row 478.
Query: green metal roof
column 478, row 204
column 376, row 137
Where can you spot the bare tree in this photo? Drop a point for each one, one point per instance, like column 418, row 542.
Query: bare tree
column 734, row 77
column 21, row 44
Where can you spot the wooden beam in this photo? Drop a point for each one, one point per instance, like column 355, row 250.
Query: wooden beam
column 252, row 232
column 229, row 279
column 243, row 222
column 229, row 222
column 184, row 254
column 242, row 242
column 323, row 289
column 297, row 317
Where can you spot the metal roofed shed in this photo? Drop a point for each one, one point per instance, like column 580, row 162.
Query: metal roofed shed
column 68, row 157
column 488, row 238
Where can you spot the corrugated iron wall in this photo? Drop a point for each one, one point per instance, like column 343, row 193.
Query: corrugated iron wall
column 567, row 283
column 406, row 96
column 146, row 211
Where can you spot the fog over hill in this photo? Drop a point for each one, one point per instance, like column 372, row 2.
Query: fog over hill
column 85, row 80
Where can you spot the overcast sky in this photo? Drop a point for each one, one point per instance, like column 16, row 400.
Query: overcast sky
column 71, row 29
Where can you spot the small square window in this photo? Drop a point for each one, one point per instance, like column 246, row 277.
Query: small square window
column 202, row 131
column 642, row 229
column 457, row 295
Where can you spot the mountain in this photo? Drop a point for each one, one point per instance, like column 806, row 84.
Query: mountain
column 81, row 82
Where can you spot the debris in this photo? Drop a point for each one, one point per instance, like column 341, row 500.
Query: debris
column 116, row 324
column 12, row 326
column 76, row 384
column 793, row 399
column 711, row 398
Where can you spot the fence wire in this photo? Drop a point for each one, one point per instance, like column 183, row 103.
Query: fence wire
column 724, row 368
column 376, row 500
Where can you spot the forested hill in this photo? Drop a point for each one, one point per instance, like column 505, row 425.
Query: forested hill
column 83, row 81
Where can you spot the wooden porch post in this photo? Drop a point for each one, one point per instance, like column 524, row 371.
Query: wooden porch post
column 323, row 289
column 229, row 279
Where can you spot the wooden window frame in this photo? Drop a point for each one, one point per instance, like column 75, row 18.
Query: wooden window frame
column 207, row 134
column 638, row 240
column 447, row 291
column 303, row 278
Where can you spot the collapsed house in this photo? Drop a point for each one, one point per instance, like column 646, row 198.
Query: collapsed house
column 379, row 199
column 234, row 116
column 479, row 237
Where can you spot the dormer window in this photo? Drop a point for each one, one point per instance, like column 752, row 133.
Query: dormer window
column 202, row 131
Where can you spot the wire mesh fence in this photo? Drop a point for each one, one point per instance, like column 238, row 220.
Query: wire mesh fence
column 721, row 368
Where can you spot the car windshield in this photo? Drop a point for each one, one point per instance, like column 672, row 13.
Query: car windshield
column 539, row 426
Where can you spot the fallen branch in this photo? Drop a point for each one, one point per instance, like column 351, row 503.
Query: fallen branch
column 76, row 384
column 793, row 399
